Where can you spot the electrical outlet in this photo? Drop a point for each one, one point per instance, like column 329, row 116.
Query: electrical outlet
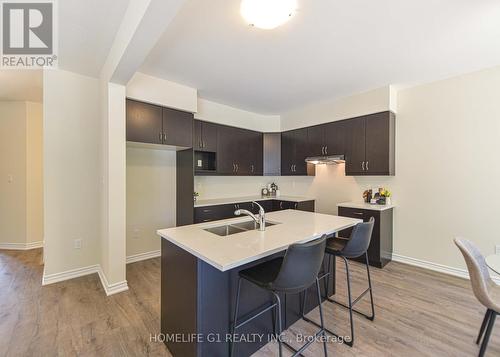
column 10, row 178
column 497, row 249
column 136, row 234
column 77, row 243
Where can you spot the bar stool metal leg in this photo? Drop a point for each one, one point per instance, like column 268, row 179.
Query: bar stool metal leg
column 372, row 317
column 486, row 338
column 486, row 319
column 351, row 303
column 235, row 322
column 280, row 327
column 321, row 317
column 349, row 297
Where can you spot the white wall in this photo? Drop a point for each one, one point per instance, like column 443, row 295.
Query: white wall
column 373, row 101
column 159, row 91
column 72, row 170
column 150, row 197
column 223, row 114
column 34, row 172
column 113, row 200
column 13, row 164
column 448, row 168
column 21, row 206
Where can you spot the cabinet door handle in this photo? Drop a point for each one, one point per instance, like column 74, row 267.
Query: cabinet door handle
column 294, row 168
column 237, row 167
column 323, row 150
column 165, row 137
column 200, row 145
column 281, row 205
column 203, row 143
column 296, row 205
column 367, row 166
column 358, row 213
column 234, row 167
column 160, row 136
column 363, row 166
column 326, row 150
column 251, row 167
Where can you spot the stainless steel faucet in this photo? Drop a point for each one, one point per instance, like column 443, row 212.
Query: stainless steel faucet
column 261, row 219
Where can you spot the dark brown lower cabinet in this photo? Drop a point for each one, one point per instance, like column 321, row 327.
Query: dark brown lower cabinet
column 217, row 212
column 380, row 250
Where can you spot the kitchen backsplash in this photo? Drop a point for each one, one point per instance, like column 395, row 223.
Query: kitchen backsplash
column 329, row 187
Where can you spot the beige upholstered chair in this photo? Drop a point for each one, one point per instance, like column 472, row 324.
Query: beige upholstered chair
column 485, row 290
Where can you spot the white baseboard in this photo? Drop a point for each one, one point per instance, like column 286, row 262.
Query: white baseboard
column 21, row 246
column 114, row 288
column 70, row 274
column 109, row 289
column 461, row 273
column 143, row 256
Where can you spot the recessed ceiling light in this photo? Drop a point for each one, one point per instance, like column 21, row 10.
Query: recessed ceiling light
column 267, row 14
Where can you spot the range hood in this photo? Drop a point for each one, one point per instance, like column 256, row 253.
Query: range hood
column 326, row 160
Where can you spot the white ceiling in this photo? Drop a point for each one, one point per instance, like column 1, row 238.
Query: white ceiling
column 22, row 85
column 330, row 48
column 87, row 29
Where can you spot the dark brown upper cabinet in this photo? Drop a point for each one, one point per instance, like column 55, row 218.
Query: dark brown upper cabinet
column 148, row 123
column 177, row 128
column 239, row 151
column 316, row 138
column 326, row 139
column 226, row 155
column 144, row 122
column 205, row 136
column 294, row 150
column 252, row 154
column 370, row 143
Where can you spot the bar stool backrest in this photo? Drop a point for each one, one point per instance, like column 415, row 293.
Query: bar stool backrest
column 359, row 241
column 300, row 266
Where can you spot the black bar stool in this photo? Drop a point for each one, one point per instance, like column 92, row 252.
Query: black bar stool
column 292, row 274
column 354, row 247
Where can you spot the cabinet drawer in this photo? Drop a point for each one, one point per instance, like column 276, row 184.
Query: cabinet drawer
column 213, row 213
column 353, row 212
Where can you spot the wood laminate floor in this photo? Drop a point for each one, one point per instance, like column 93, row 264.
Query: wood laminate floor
column 418, row 313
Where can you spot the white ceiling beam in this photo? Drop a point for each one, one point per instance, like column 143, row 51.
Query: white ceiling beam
column 143, row 24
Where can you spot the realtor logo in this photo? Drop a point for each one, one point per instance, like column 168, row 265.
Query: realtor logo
column 28, row 34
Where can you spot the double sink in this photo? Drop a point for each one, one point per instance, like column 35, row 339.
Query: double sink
column 233, row 228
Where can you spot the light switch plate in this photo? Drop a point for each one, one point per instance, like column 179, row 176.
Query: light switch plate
column 77, row 243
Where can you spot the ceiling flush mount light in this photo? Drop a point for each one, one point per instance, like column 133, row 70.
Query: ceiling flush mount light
column 267, row 14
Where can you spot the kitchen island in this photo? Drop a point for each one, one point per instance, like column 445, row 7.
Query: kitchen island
column 200, row 266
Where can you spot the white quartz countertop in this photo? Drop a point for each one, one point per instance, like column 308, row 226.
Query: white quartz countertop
column 223, row 201
column 364, row 205
column 225, row 253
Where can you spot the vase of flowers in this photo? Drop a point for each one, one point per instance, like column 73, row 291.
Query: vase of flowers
column 387, row 194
